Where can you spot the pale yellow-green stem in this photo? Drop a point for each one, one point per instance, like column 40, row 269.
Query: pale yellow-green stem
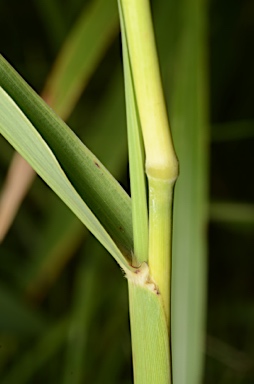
column 161, row 161
column 160, row 211
column 149, row 286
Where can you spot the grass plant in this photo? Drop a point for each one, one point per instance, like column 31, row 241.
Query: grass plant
column 65, row 306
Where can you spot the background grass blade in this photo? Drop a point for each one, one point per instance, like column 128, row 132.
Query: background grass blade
column 24, row 137
column 12, row 308
column 232, row 213
column 81, row 55
column 189, row 119
column 36, row 357
column 53, row 17
column 19, row 178
column 86, row 286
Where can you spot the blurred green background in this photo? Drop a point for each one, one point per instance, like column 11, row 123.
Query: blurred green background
column 63, row 301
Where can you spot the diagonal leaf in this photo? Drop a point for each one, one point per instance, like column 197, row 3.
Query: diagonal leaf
column 18, row 130
column 101, row 192
column 64, row 231
column 61, row 239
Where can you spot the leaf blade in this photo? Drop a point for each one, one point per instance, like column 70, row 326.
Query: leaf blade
column 102, row 193
column 18, row 130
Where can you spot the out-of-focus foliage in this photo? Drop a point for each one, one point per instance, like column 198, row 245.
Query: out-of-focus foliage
column 63, row 301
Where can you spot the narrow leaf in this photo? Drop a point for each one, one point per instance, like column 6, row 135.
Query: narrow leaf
column 190, row 122
column 101, row 192
column 17, row 129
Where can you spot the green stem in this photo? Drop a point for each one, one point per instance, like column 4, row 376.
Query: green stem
column 160, row 219
column 149, row 290
column 160, row 156
column 149, row 335
column 161, row 161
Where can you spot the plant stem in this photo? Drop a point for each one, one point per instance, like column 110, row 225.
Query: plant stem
column 160, row 210
column 160, row 156
column 149, row 292
column 161, row 161
column 149, row 335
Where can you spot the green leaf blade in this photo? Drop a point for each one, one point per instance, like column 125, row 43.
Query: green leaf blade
column 95, row 185
column 19, row 131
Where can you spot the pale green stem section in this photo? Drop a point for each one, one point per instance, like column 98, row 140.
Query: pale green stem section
column 161, row 161
column 160, row 210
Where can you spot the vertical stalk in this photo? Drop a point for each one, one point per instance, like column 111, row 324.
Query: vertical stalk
column 160, row 211
column 161, row 162
column 160, row 156
column 149, row 290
